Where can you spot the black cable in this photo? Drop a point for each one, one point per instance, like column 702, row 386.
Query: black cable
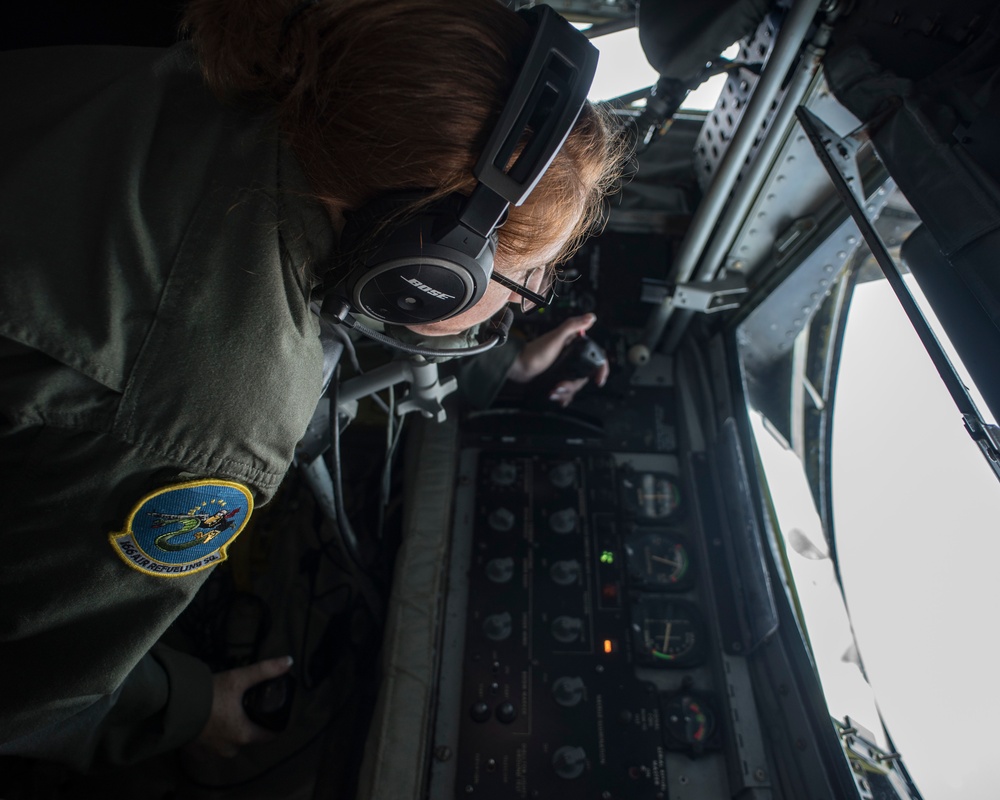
column 337, row 311
column 371, row 584
column 347, row 535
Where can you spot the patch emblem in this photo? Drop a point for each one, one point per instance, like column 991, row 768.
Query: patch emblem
column 183, row 528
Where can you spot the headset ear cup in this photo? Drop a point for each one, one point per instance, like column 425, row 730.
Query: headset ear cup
column 401, row 268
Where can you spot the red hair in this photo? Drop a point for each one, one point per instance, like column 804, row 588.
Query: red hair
column 376, row 96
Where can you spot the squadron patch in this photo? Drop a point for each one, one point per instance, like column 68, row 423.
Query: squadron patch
column 183, row 528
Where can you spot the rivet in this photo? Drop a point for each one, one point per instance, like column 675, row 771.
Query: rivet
column 442, row 753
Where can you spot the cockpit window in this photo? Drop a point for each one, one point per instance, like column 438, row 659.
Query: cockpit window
column 885, row 511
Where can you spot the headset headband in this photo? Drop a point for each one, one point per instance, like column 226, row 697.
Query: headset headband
column 543, row 107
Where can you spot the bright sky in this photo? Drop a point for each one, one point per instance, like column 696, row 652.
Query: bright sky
column 917, row 536
column 845, row 688
column 623, row 68
column 916, row 512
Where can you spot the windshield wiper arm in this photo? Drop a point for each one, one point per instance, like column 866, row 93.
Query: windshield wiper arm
column 986, row 436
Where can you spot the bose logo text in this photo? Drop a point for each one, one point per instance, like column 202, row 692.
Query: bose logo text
column 432, row 292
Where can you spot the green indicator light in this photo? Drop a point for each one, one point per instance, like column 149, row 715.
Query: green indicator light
column 607, row 557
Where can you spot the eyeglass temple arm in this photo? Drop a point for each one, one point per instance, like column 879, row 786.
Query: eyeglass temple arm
column 537, row 299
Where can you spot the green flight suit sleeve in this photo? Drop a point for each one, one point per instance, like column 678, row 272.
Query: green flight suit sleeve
column 163, row 703
column 86, row 683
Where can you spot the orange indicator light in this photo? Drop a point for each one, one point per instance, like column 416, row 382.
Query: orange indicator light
column 608, row 647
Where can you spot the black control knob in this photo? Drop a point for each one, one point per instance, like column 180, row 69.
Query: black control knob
column 563, row 521
column 580, row 358
column 565, row 573
column 498, row 626
column 269, row 703
column 506, row 713
column 567, row 629
column 567, row 691
column 480, row 712
column 503, row 474
column 500, row 570
column 501, row 520
column 569, row 762
column 563, row 475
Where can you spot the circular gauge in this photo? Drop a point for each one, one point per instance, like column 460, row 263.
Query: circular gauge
column 667, row 633
column 690, row 722
column 653, row 496
column 501, row 519
column 690, row 719
column 503, row 473
column 658, row 560
column 563, row 475
column 564, row 520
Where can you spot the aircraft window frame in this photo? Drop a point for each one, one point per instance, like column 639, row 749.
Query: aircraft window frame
column 810, row 377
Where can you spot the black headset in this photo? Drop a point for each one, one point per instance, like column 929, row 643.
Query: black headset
column 437, row 263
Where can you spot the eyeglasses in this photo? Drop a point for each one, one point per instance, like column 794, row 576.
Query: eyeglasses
column 538, row 289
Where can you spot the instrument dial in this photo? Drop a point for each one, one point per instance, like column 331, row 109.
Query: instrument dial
column 650, row 496
column 690, row 722
column 667, row 633
column 658, row 561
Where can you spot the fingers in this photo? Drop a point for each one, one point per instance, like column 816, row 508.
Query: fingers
column 263, row 670
column 565, row 391
column 228, row 727
column 539, row 354
column 574, row 326
column 603, row 372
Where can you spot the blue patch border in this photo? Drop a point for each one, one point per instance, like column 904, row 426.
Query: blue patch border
column 129, row 550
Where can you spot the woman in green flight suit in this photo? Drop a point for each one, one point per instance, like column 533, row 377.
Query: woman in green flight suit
column 167, row 215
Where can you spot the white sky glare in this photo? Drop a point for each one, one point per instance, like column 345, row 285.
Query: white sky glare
column 916, row 531
column 623, row 68
column 916, row 511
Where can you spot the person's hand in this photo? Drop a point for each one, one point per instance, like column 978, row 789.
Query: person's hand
column 540, row 354
column 228, row 727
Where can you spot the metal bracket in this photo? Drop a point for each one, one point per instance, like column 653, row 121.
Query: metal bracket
column 425, row 394
column 987, row 438
column 709, row 297
column 842, row 150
